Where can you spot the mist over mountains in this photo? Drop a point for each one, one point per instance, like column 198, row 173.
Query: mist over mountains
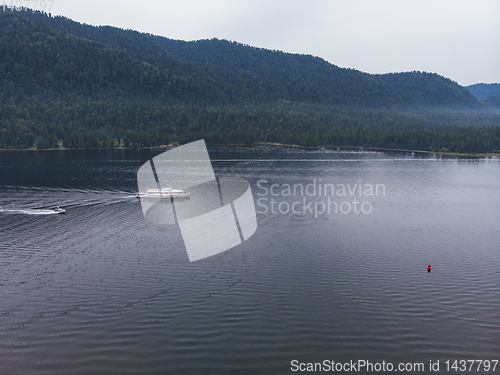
column 485, row 91
column 91, row 86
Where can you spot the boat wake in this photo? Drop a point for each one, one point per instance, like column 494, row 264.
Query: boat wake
column 31, row 201
column 28, row 211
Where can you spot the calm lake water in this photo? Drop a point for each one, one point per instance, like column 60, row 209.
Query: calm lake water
column 99, row 290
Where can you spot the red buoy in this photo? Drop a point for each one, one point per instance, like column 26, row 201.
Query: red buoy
column 429, row 268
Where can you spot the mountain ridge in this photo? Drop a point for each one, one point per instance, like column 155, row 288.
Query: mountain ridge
column 483, row 91
column 287, row 76
column 91, row 86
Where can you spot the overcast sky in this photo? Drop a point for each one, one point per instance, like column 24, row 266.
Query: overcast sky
column 459, row 39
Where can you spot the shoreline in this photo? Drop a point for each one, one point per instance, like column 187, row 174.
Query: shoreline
column 447, row 153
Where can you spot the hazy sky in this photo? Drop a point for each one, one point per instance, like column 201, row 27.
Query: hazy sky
column 458, row 39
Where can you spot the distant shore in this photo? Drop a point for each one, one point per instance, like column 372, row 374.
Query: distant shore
column 446, row 153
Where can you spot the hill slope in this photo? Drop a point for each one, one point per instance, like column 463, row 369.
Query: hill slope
column 492, row 101
column 483, row 91
column 37, row 58
column 430, row 89
column 282, row 76
column 93, row 86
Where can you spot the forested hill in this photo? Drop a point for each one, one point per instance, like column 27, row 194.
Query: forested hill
column 85, row 86
column 483, row 91
column 277, row 76
column 492, row 101
column 39, row 59
column 410, row 89
column 257, row 74
column 430, row 89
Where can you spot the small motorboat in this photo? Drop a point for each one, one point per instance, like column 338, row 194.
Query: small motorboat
column 59, row 210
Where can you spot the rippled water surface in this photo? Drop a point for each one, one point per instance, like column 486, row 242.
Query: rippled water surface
column 99, row 290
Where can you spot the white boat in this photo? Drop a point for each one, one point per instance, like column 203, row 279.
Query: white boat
column 59, row 210
column 167, row 192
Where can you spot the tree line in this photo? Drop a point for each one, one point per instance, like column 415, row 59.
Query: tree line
column 84, row 86
column 146, row 124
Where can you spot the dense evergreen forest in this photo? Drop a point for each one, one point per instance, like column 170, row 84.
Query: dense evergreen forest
column 484, row 91
column 85, row 86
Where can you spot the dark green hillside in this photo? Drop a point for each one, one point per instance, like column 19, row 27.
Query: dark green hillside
column 91, row 86
column 301, row 78
column 430, row 89
column 284, row 76
column 292, row 77
column 492, row 101
column 483, row 91
column 275, row 75
column 38, row 59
